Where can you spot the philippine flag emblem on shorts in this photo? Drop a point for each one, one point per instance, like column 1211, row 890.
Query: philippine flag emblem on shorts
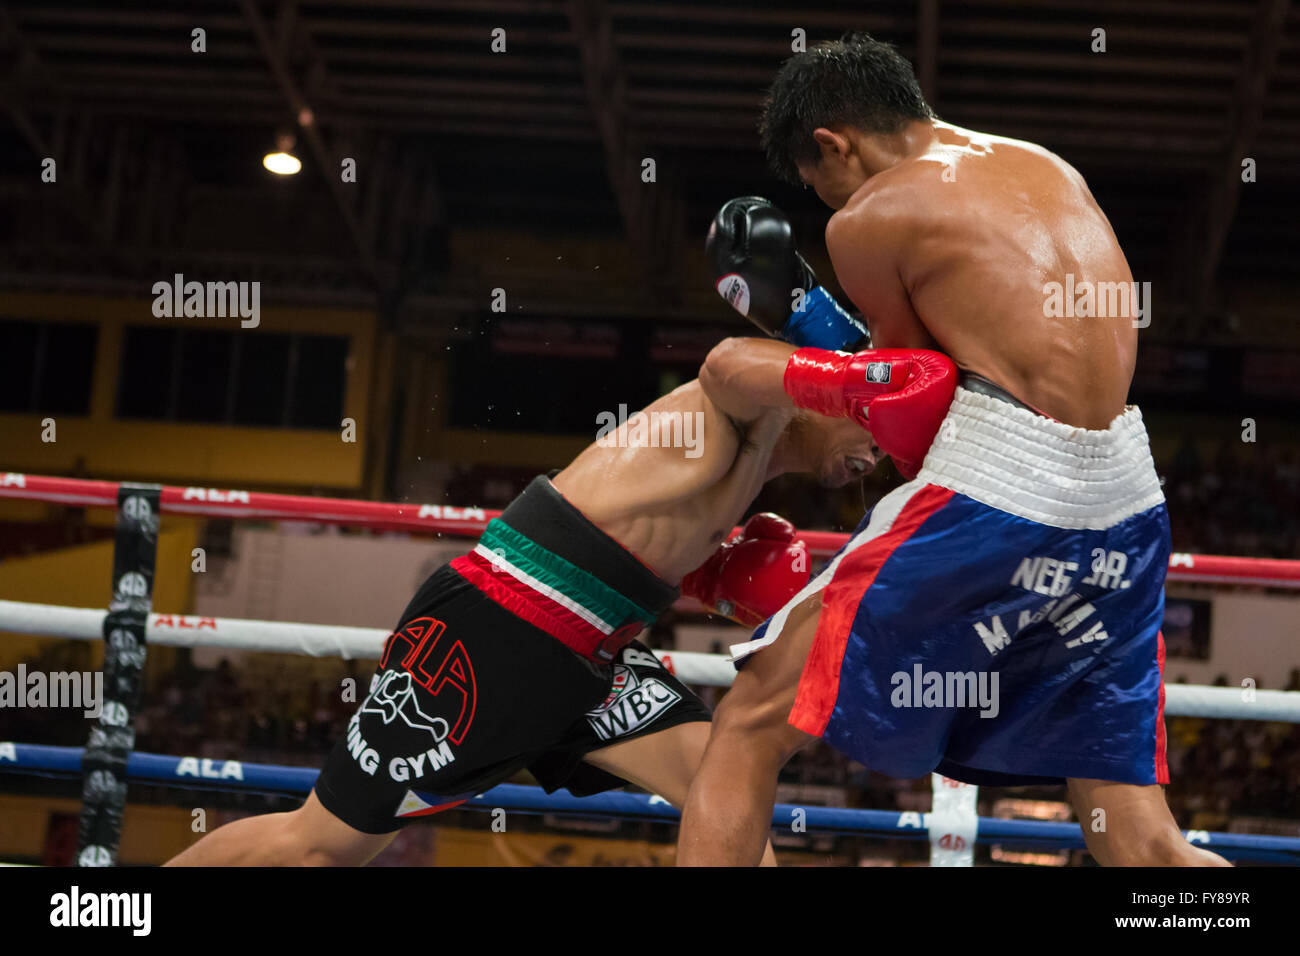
column 422, row 804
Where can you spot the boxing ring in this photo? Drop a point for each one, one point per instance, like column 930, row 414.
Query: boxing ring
column 952, row 828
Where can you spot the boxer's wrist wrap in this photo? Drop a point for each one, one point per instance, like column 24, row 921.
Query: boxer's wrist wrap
column 821, row 323
column 814, row 379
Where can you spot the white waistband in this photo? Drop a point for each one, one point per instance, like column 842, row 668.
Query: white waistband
column 1024, row 464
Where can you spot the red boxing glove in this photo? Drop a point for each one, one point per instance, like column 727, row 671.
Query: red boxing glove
column 750, row 577
column 900, row 395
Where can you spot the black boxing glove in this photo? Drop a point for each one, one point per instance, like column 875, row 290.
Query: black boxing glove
column 758, row 269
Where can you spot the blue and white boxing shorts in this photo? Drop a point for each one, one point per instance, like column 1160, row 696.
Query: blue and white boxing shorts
column 998, row 618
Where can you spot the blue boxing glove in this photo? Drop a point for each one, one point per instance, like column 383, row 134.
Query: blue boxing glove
column 759, row 272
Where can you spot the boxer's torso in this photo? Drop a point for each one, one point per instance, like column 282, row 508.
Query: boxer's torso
column 668, row 503
column 957, row 249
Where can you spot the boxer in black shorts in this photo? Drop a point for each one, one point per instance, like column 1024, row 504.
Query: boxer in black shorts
column 489, row 674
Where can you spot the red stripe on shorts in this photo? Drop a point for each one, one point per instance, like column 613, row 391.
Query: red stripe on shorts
column 535, row 608
column 820, row 683
column 1162, row 764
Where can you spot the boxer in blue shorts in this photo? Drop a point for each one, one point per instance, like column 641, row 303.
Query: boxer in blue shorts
column 990, row 625
column 996, row 618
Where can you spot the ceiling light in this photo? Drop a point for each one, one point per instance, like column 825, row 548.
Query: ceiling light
column 282, row 162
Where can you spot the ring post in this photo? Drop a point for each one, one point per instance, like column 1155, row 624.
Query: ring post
column 112, row 738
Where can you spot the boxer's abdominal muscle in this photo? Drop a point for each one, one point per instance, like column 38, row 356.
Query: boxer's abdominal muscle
column 970, row 263
column 669, row 509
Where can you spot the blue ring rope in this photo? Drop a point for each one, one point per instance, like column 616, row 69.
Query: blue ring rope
column 202, row 773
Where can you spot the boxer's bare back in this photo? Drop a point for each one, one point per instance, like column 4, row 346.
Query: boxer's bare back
column 952, row 248
column 672, row 501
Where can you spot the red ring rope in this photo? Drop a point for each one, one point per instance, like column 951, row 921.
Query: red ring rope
column 468, row 522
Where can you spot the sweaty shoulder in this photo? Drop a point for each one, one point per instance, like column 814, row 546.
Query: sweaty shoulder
column 869, row 237
column 1033, row 155
column 885, row 204
column 870, row 242
column 939, row 185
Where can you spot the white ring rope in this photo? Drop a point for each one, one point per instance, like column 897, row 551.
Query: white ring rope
column 709, row 670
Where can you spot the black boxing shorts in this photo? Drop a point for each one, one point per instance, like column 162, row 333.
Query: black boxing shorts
column 516, row 656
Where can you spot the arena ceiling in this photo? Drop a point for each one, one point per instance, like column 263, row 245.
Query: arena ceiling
column 159, row 146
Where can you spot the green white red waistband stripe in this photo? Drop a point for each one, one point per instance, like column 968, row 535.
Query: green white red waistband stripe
column 501, row 563
column 549, row 591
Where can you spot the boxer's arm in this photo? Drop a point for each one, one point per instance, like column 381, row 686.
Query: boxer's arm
column 866, row 241
column 744, row 377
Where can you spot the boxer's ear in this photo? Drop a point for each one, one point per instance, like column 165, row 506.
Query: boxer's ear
column 831, row 143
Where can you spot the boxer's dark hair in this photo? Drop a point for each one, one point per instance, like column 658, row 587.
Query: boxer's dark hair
column 854, row 81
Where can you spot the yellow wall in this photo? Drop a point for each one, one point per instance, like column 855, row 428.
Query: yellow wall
column 149, row 834
column 454, row 847
column 81, row 576
column 191, row 453
column 457, row 847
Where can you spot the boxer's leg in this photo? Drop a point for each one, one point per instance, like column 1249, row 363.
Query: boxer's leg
column 728, row 812
column 308, row 836
column 663, row 763
column 1130, row 825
